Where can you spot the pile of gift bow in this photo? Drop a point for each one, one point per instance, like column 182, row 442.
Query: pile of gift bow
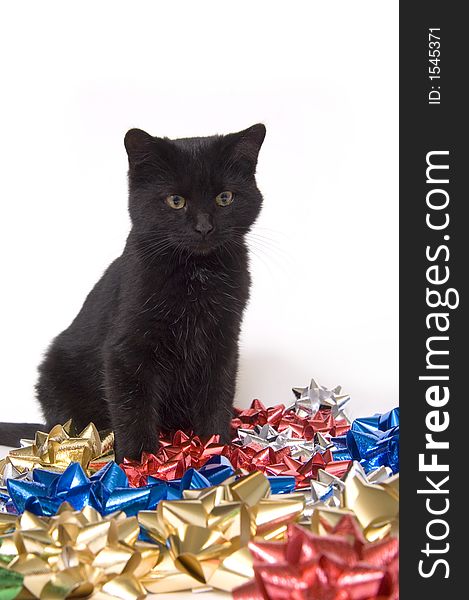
column 302, row 504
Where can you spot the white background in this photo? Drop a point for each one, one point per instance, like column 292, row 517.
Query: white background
column 321, row 76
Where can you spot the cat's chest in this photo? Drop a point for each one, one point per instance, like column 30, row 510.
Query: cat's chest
column 196, row 298
column 199, row 280
column 210, row 296
column 205, row 286
column 207, row 313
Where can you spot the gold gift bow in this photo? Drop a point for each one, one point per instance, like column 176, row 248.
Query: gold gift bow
column 204, row 537
column 76, row 553
column 375, row 506
column 199, row 541
column 55, row 450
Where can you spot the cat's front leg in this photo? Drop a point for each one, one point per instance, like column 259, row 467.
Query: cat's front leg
column 217, row 421
column 215, row 401
column 133, row 399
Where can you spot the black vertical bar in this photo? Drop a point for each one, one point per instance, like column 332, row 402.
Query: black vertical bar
column 433, row 119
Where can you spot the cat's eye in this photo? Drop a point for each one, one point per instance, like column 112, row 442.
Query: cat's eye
column 175, row 201
column 224, row 198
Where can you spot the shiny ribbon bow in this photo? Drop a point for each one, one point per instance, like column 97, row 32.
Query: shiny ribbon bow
column 253, row 457
column 267, row 436
column 55, row 450
column 301, row 424
column 290, row 442
column 313, row 397
column 257, row 414
column 204, row 537
column 74, row 554
column 109, row 490
column 372, row 440
column 106, row 491
column 374, row 501
column 175, row 456
column 340, row 565
column 273, row 451
column 373, row 498
column 197, row 541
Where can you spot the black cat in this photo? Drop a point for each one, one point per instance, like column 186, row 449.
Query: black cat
column 155, row 345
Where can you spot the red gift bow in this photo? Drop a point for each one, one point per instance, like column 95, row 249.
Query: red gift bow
column 257, row 414
column 175, row 456
column 254, row 457
column 181, row 451
column 280, row 418
column 338, row 566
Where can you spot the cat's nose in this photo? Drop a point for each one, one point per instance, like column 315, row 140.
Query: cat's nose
column 204, row 225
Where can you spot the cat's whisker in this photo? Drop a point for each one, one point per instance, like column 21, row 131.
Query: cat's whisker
column 267, row 241
column 264, row 255
column 259, row 256
column 277, row 263
column 271, row 233
column 154, row 250
column 267, row 248
column 280, row 252
column 255, row 252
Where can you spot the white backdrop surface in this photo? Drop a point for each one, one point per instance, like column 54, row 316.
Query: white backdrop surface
column 321, row 76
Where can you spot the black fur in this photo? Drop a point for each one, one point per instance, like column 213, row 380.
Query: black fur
column 155, row 345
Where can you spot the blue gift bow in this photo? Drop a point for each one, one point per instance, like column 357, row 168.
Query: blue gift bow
column 108, row 490
column 374, row 441
column 6, row 504
column 383, row 422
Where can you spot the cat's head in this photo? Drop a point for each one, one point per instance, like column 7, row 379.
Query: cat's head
column 195, row 194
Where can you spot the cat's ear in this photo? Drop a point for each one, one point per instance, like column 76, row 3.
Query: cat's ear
column 245, row 145
column 138, row 144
